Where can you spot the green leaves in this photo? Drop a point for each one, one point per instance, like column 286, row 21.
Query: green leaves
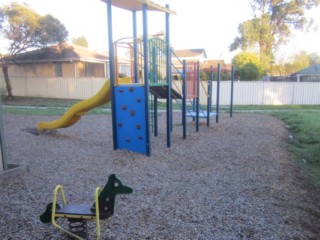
column 247, row 66
column 80, row 41
column 25, row 29
column 52, row 31
column 271, row 26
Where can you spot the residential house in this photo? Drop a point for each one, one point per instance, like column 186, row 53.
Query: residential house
column 190, row 55
column 224, row 67
column 310, row 74
column 62, row 60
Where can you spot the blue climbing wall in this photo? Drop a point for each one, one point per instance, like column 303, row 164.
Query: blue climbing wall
column 131, row 118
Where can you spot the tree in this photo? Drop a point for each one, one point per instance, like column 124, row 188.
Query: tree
column 301, row 61
column 314, row 58
column 80, row 41
column 272, row 25
column 247, row 66
column 24, row 29
column 205, row 74
column 298, row 62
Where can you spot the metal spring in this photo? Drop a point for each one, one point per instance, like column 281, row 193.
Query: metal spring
column 78, row 227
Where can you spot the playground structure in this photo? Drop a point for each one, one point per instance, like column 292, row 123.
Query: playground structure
column 134, row 102
column 101, row 209
column 134, row 99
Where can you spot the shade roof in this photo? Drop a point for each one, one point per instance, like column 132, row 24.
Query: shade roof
column 136, row 5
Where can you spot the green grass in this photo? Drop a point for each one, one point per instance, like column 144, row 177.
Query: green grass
column 47, row 111
column 275, row 107
column 305, row 141
column 39, row 102
column 45, row 106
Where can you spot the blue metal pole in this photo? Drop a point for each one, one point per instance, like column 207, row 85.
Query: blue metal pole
column 169, row 80
column 209, row 99
column 218, row 94
column 198, row 97
column 184, row 100
column 135, row 46
column 231, row 99
column 146, row 75
column 112, row 73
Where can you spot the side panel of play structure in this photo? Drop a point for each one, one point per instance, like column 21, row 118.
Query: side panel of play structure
column 130, row 118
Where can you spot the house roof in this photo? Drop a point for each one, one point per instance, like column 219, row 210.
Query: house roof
column 214, row 63
column 313, row 70
column 61, row 53
column 224, row 67
column 183, row 53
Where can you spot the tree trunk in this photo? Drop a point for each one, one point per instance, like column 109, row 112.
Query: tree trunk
column 7, row 80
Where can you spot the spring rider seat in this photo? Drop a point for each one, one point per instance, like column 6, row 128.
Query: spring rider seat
column 77, row 215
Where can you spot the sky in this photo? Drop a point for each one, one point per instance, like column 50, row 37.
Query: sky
column 207, row 24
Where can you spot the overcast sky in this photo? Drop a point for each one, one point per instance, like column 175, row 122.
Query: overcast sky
column 207, row 24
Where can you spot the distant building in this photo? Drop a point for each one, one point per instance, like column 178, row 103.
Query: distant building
column 190, row 55
column 310, row 74
column 62, row 60
column 214, row 64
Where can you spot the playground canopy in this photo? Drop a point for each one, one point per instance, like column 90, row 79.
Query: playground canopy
column 136, row 5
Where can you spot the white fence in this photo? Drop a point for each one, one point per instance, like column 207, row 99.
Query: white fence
column 65, row 88
column 245, row 93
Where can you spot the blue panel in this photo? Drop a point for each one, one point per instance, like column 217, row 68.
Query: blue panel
column 131, row 118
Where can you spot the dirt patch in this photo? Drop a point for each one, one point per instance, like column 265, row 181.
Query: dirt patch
column 232, row 180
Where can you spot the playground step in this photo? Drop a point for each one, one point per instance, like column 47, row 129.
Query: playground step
column 190, row 108
column 203, row 114
column 161, row 92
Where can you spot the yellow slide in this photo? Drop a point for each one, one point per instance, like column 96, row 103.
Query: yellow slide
column 76, row 111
